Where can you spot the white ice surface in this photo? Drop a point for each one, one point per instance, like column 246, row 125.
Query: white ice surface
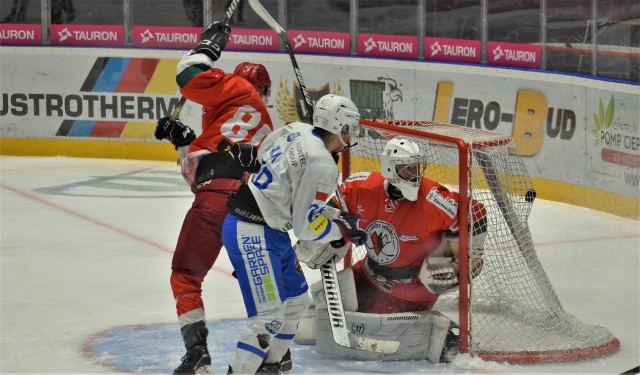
column 85, row 259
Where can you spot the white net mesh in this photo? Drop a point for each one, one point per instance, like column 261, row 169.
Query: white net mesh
column 514, row 312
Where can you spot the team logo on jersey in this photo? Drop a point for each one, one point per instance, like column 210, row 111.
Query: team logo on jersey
column 406, row 237
column 292, row 136
column 273, row 327
column 382, row 245
column 390, row 205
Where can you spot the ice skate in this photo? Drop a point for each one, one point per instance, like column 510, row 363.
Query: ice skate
column 197, row 359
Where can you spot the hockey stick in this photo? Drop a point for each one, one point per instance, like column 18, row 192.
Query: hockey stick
column 282, row 33
column 363, row 343
column 329, row 273
column 227, row 16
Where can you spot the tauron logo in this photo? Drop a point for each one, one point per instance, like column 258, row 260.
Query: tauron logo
column 369, row 45
column 497, row 53
column 299, row 40
column 64, row 34
column 146, row 36
column 435, row 48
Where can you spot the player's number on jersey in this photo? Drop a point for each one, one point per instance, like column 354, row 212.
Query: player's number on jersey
column 245, row 126
column 263, row 178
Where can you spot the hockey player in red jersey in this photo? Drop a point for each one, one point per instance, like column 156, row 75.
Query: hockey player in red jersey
column 234, row 123
column 412, row 227
column 409, row 219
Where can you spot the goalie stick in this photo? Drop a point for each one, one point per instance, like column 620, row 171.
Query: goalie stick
column 363, row 343
column 227, row 16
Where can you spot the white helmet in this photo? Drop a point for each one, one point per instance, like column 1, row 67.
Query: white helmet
column 337, row 115
column 402, row 164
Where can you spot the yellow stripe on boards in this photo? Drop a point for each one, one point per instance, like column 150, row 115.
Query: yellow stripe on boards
column 138, row 130
column 163, row 80
column 83, row 148
column 444, row 93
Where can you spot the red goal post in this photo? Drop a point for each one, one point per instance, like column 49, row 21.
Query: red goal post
column 508, row 311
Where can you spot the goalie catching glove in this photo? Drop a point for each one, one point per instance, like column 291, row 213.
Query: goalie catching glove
column 175, row 132
column 213, row 39
column 439, row 274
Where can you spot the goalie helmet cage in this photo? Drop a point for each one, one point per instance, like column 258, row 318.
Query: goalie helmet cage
column 509, row 312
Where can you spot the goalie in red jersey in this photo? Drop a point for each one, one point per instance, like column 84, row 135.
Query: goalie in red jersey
column 411, row 259
column 412, row 224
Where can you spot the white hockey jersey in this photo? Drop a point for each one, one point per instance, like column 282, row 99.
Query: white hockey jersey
column 297, row 177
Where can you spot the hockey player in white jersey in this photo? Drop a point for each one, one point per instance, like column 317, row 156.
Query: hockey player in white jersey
column 297, row 176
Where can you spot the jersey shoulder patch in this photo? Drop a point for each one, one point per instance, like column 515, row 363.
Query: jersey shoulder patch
column 445, row 204
column 358, row 176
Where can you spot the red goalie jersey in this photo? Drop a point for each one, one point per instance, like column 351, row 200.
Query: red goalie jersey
column 402, row 234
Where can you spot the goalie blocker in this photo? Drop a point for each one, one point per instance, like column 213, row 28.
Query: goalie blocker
column 420, row 335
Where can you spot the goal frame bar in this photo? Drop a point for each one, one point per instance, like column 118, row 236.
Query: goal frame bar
column 463, row 206
column 466, row 152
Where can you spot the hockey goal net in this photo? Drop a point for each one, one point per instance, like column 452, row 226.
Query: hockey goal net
column 510, row 311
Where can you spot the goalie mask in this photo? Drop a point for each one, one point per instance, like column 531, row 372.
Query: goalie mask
column 258, row 76
column 337, row 115
column 402, row 164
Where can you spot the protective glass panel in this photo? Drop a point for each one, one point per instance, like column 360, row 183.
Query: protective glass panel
column 392, row 17
column 20, row 11
column 167, row 13
column 453, row 19
column 514, row 21
column 332, row 15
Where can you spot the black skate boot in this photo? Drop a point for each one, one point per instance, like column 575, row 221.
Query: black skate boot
column 280, row 367
column 276, row 368
column 451, row 344
column 286, row 364
column 269, row 369
column 264, row 369
column 197, row 359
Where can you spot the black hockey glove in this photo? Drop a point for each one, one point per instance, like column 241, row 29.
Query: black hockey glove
column 246, row 155
column 350, row 231
column 213, row 40
column 175, row 132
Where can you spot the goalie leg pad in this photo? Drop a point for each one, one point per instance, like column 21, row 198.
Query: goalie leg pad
column 347, row 290
column 421, row 335
column 439, row 330
column 306, row 330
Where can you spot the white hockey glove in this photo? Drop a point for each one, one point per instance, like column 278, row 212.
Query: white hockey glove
column 314, row 254
column 439, row 274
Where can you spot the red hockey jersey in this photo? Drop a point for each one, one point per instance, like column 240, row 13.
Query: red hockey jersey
column 232, row 109
column 402, row 233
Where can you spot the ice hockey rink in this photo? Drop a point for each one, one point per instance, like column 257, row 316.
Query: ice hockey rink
column 85, row 257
